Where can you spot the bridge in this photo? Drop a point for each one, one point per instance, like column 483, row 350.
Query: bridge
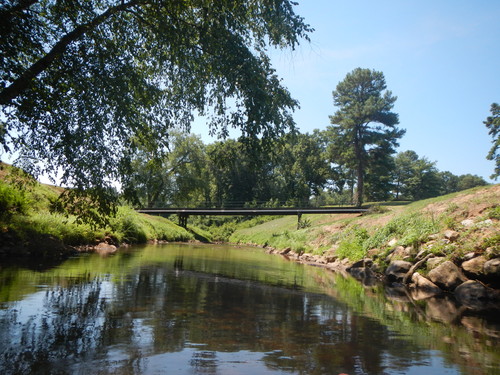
column 184, row 213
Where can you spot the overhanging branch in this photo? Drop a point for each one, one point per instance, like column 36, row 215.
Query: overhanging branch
column 23, row 82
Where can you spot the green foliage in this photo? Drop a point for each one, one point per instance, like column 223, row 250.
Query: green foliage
column 86, row 85
column 132, row 227
column 363, row 132
column 304, row 223
column 352, row 244
column 411, row 230
column 60, row 227
column 12, row 201
column 415, row 178
column 223, row 233
column 493, row 242
column 493, row 213
column 178, row 178
column 493, row 124
column 280, row 234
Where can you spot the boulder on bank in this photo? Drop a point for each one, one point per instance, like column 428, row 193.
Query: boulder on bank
column 104, row 248
column 492, row 268
column 475, row 295
column 422, row 288
column 397, row 270
column 435, row 261
column 447, row 276
column 475, row 266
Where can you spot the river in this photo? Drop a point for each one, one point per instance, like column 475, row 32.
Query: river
column 209, row 309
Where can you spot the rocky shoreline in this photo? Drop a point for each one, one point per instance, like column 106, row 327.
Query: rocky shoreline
column 472, row 279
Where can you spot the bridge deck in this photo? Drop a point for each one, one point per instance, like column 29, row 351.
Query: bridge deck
column 184, row 213
column 252, row 211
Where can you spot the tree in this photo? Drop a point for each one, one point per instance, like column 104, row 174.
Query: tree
column 85, row 84
column 415, row 178
column 379, row 173
column 178, row 178
column 493, row 124
column 468, row 181
column 449, row 182
column 236, row 173
column 300, row 168
column 363, row 123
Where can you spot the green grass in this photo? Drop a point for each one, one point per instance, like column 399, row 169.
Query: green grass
column 26, row 212
column 132, row 227
column 408, row 223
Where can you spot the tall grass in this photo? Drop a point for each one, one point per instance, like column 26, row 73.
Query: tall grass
column 132, row 227
column 26, row 211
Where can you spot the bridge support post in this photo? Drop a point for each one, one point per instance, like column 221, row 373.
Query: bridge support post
column 183, row 219
column 299, row 217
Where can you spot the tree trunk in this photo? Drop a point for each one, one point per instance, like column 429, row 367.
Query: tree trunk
column 358, row 148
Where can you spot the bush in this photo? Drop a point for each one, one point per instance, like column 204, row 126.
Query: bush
column 12, row 202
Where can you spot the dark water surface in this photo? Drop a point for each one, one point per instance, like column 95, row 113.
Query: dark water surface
column 200, row 309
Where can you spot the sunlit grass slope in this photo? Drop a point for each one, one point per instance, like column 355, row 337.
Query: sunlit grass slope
column 354, row 236
column 26, row 217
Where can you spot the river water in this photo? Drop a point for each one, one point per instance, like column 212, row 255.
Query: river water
column 205, row 309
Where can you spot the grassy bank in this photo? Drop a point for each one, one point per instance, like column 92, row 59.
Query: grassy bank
column 473, row 214
column 29, row 225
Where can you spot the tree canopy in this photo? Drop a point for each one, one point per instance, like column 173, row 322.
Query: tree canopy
column 85, row 84
column 363, row 128
column 493, row 124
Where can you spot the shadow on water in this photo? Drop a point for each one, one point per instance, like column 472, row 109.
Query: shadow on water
column 219, row 310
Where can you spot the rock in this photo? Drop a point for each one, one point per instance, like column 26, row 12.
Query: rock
column 467, row 222
column 447, row 276
column 473, row 294
column 434, row 262
column 367, row 262
column 104, row 248
column 306, row 257
column 451, row 234
column 469, row 256
column 422, row 288
column 392, row 242
column 397, row 270
column 321, row 260
column 492, row 252
column 358, row 264
column 401, row 252
column 474, row 267
column 419, row 281
column 492, row 268
column 485, row 223
column 285, row 251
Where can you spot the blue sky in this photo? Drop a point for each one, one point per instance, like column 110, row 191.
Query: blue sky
column 441, row 58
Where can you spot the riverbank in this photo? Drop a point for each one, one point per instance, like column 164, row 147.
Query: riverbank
column 449, row 244
column 31, row 225
column 440, row 245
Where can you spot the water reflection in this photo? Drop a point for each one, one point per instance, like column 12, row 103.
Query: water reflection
column 185, row 310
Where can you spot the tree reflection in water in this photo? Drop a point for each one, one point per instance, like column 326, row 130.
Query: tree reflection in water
column 183, row 316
